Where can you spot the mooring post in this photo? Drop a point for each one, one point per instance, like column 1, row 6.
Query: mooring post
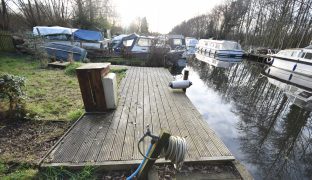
column 154, row 153
column 185, row 77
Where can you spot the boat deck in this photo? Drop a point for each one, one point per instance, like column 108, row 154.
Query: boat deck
column 111, row 138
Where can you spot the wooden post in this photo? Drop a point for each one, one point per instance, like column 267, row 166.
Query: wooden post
column 154, row 153
column 185, row 77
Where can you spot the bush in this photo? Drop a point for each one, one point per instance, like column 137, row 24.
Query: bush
column 71, row 69
column 11, row 88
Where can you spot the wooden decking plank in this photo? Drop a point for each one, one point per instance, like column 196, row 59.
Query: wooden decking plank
column 160, row 107
column 99, row 123
column 192, row 151
column 68, row 142
column 74, row 145
column 147, row 119
column 139, row 127
column 91, row 145
column 108, row 141
column 187, row 119
column 155, row 121
column 123, row 122
column 127, row 151
column 102, row 134
column 168, row 112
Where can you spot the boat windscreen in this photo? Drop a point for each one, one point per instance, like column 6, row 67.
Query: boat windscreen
column 144, row 42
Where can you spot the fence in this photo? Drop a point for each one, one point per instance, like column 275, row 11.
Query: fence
column 6, row 42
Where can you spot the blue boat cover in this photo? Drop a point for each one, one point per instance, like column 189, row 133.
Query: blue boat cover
column 87, row 35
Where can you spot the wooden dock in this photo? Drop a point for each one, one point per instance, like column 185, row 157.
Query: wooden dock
column 110, row 139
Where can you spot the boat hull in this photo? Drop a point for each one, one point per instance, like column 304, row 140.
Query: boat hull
column 223, row 62
column 295, row 79
column 64, row 52
column 296, row 66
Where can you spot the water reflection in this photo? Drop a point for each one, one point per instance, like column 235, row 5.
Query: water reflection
column 257, row 119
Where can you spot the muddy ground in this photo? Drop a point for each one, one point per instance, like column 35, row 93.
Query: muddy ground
column 27, row 141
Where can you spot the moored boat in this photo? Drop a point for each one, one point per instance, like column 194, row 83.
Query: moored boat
column 219, row 49
column 295, row 60
column 64, row 52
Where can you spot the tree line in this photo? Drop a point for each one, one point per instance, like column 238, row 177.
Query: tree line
column 258, row 23
column 18, row 15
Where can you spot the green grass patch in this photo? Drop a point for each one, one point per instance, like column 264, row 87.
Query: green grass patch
column 21, row 171
column 50, row 93
column 71, row 69
column 75, row 114
column 120, row 73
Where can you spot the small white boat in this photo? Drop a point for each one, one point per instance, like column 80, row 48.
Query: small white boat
column 294, row 60
column 221, row 50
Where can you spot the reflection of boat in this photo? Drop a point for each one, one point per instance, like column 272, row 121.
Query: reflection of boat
column 297, row 96
column 216, row 62
column 63, row 52
column 221, row 50
column 296, row 60
column 298, row 88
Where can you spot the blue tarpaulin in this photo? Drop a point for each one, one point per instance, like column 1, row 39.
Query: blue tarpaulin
column 87, row 35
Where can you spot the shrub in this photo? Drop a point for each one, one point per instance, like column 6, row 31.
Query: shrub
column 11, row 88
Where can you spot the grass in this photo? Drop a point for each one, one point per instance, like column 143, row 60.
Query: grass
column 51, row 94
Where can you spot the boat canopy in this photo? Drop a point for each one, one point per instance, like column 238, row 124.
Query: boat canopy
column 88, row 35
column 79, row 34
column 54, row 30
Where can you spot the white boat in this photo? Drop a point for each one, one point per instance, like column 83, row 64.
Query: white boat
column 221, row 50
column 294, row 60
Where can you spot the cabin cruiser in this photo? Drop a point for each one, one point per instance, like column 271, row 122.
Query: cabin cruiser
column 221, row 50
column 116, row 43
column 137, row 46
column 294, row 60
column 70, row 36
column 190, row 46
column 297, row 88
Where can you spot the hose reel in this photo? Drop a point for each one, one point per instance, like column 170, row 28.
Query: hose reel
column 173, row 148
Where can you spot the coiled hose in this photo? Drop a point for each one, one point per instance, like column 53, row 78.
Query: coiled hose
column 176, row 150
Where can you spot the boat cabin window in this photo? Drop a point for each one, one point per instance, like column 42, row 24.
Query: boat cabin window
column 144, row 42
column 128, row 42
column 231, row 46
column 308, row 56
column 177, row 42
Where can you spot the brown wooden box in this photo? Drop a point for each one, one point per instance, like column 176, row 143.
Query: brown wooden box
column 92, row 91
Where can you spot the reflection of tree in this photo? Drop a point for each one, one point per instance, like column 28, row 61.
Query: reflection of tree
column 275, row 135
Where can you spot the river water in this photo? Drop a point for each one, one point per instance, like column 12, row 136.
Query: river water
column 257, row 117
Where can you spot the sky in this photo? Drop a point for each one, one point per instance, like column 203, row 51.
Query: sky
column 162, row 15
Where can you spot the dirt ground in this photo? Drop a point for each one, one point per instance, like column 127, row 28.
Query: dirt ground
column 28, row 141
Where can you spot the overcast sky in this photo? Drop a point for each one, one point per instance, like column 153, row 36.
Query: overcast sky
column 162, row 15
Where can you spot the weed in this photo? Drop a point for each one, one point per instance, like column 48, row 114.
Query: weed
column 74, row 114
column 71, row 69
column 63, row 173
